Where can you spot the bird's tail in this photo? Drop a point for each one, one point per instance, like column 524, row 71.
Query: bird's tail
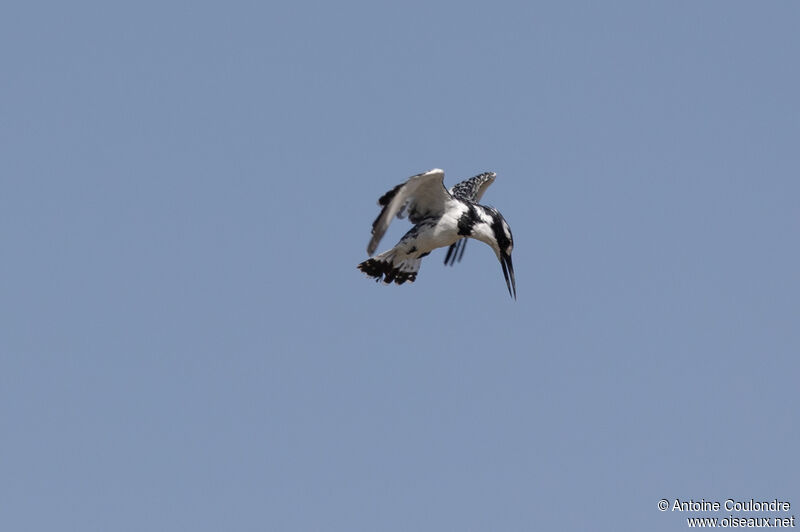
column 391, row 268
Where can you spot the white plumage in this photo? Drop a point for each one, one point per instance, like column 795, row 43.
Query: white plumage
column 441, row 218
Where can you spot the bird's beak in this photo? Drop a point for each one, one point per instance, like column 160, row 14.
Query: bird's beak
column 508, row 268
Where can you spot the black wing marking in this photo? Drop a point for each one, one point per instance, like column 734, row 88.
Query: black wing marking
column 471, row 190
column 420, row 196
column 455, row 252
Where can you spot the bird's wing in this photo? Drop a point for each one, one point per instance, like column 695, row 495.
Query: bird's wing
column 471, row 190
column 455, row 252
column 421, row 196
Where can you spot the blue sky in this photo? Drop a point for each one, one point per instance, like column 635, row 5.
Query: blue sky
column 188, row 187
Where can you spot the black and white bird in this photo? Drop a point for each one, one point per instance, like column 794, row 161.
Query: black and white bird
column 441, row 218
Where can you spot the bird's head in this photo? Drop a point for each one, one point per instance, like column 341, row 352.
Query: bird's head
column 504, row 256
column 497, row 234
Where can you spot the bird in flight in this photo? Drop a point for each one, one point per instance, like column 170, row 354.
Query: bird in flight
column 441, row 218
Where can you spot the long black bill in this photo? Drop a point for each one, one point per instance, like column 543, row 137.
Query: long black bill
column 508, row 267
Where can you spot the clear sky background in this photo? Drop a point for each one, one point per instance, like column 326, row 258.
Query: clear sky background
column 187, row 187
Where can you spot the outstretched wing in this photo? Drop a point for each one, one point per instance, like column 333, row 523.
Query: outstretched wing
column 421, row 196
column 471, row 190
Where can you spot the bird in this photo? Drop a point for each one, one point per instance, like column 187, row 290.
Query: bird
column 441, row 218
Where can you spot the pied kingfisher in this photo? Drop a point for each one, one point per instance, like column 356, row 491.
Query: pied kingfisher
column 441, row 218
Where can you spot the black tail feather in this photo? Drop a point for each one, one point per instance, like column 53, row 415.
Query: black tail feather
column 387, row 271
